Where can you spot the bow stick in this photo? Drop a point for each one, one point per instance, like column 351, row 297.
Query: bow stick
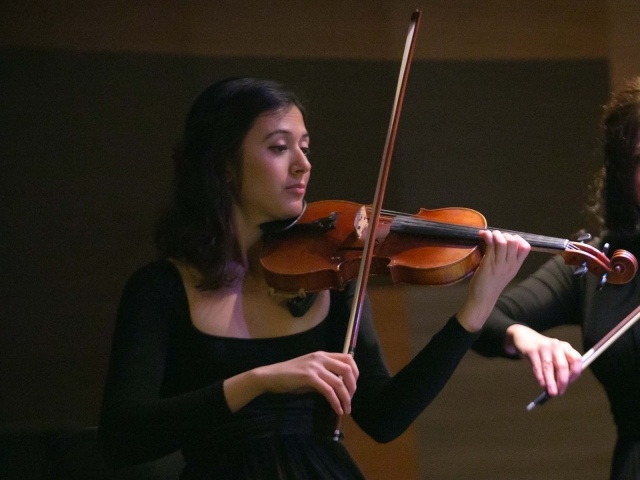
column 595, row 351
column 367, row 255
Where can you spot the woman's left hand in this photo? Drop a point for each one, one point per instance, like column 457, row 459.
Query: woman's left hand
column 555, row 363
column 503, row 257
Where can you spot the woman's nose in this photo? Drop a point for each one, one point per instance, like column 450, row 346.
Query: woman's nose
column 301, row 163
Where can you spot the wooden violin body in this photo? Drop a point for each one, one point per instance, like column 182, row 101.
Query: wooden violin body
column 432, row 247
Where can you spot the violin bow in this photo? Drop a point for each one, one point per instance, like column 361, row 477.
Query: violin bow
column 367, row 255
column 595, row 351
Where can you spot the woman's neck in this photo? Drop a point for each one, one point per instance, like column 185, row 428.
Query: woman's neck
column 249, row 236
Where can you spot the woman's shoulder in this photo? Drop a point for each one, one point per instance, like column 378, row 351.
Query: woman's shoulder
column 156, row 268
column 156, row 274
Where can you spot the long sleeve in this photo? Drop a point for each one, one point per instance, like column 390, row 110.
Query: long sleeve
column 548, row 298
column 138, row 422
column 385, row 406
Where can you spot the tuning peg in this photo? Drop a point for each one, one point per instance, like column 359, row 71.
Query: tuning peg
column 584, row 237
column 581, row 270
column 605, row 248
column 602, row 281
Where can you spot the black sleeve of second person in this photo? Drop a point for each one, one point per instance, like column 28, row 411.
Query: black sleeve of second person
column 548, row 298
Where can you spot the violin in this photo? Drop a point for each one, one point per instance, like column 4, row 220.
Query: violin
column 323, row 249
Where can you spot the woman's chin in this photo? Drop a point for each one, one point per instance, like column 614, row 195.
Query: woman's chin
column 294, row 209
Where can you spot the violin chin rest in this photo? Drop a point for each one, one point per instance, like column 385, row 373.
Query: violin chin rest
column 300, row 305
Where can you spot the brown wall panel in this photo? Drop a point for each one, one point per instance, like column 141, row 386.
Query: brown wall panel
column 375, row 30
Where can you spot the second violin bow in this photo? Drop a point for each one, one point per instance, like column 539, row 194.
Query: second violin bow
column 595, row 351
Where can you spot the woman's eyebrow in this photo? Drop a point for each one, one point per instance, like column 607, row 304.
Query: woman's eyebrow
column 284, row 131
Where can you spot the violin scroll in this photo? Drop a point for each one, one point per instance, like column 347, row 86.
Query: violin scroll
column 624, row 267
column 618, row 270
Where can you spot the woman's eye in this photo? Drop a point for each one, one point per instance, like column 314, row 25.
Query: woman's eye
column 284, row 148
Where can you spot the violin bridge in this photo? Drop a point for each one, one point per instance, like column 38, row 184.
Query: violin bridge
column 361, row 222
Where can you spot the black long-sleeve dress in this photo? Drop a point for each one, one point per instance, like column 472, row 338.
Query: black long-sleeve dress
column 554, row 296
column 164, row 389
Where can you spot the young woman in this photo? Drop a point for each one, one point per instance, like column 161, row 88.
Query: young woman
column 554, row 296
column 206, row 361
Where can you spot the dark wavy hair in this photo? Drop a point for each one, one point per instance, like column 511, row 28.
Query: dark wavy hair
column 197, row 227
column 614, row 204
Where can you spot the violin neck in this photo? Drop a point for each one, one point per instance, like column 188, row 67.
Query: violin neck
column 466, row 235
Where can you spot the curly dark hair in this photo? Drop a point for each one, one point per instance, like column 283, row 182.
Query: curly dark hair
column 198, row 227
column 614, row 204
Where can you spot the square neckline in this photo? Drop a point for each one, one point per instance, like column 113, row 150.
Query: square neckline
column 192, row 326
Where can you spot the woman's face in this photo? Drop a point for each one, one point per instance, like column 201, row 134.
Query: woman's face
column 275, row 168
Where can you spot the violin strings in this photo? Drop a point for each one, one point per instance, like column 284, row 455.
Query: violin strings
column 421, row 226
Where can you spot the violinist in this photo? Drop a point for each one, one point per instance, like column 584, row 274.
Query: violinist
column 206, row 361
column 553, row 296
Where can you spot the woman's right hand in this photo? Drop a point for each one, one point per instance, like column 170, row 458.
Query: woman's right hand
column 555, row 363
column 333, row 375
